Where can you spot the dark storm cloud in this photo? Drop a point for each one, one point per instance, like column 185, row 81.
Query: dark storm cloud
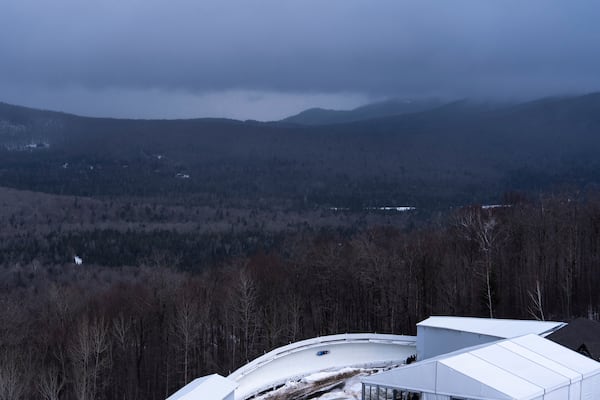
column 375, row 48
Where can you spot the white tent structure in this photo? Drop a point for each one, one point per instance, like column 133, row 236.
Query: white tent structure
column 213, row 387
column 441, row 335
column 524, row 368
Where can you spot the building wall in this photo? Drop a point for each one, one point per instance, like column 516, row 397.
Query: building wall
column 590, row 387
column 432, row 342
column 430, row 396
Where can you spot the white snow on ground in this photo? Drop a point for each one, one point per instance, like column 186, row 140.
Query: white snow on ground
column 350, row 389
column 492, row 206
column 387, row 208
column 320, row 376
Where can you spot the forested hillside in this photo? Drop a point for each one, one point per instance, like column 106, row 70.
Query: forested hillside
column 455, row 154
column 141, row 332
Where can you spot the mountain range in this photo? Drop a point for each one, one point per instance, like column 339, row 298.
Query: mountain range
column 420, row 153
column 320, row 116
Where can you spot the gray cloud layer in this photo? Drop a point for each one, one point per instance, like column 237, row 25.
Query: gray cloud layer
column 369, row 48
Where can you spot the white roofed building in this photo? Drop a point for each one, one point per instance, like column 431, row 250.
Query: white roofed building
column 524, row 368
column 213, row 387
column 440, row 335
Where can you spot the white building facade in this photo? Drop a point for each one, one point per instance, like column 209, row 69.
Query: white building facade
column 524, row 368
column 441, row 335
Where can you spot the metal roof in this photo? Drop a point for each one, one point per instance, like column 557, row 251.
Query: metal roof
column 527, row 367
column 214, row 387
column 500, row 328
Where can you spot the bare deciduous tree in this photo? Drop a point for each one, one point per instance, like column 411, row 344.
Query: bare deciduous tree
column 536, row 309
column 88, row 353
column 245, row 292
column 481, row 226
column 186, row 328
column 13, row 382
column 50, row 383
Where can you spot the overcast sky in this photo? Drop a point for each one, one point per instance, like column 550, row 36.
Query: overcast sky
column 267, row 59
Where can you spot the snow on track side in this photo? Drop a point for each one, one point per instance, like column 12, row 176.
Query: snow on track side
column 306, row 357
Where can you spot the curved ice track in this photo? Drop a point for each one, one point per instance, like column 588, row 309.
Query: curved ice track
column 303, row 358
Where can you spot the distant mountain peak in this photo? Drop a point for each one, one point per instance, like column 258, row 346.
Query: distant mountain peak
column 380, row 109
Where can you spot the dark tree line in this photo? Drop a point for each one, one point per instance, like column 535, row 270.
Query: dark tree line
column 112, row 248
column 69, row 332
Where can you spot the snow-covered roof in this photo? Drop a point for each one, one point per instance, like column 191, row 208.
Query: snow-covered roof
column 214, row 387
column 500, row 328
column 524, row 368
column 563, row 355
